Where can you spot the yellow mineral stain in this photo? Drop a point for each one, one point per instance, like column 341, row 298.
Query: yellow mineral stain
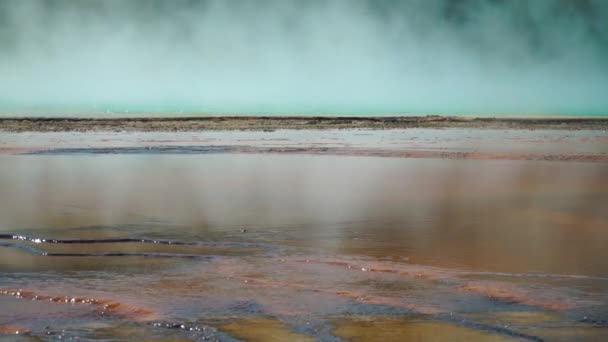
column 371, row 329
column 262, row 329
column 516, row 317
column 577, row 332
column 548, row 326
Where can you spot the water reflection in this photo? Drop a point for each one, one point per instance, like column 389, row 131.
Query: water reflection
column 308, row 239
column 504, row 216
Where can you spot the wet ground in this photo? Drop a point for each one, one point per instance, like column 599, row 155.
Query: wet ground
column 101, row 243
column 480, row 144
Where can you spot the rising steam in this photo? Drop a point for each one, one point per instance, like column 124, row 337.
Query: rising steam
column 284, row 56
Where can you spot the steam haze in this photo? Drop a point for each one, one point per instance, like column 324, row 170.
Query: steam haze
column 305, row 57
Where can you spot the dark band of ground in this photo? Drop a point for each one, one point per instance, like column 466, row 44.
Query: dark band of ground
column 261, row 123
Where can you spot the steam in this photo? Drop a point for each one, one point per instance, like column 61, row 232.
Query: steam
column 287, row 56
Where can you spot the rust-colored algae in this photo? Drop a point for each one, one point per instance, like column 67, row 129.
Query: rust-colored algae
column 103, row 306
column 13, row 330
column 514, row 294
column 349, row 294
column 504, row 291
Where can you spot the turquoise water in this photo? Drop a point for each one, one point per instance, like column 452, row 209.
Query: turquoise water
column 168, row 110
column 368, row 57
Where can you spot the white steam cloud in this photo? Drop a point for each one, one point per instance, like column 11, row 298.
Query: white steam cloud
column 283, row 56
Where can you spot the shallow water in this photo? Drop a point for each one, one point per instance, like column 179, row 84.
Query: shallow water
column 299, row 247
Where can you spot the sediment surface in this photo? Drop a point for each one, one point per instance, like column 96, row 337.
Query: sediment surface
column 362, row 234
column 291, row 122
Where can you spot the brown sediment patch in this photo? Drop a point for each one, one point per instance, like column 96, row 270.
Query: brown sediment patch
column 102, row 306
column 262, row 329
column 382, row 329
